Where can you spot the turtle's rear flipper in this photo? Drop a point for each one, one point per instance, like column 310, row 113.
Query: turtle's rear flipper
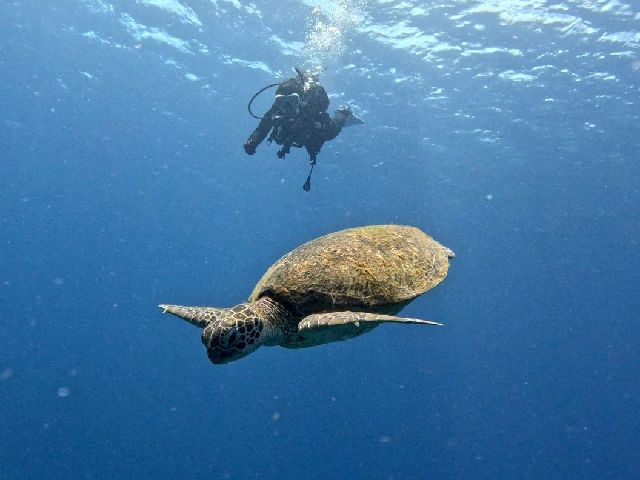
column 198, row 316
column 336, row 326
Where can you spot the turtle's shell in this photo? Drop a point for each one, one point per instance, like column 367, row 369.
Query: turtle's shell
column 376, row 268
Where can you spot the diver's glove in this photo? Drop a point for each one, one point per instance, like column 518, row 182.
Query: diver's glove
column 250, row 147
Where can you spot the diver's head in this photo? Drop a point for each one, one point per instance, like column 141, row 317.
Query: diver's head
column 234, row 336
column 287, row 105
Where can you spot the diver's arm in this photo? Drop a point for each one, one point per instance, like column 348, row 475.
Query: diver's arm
column 259, row 134
column 337, row 122
column 333, row 128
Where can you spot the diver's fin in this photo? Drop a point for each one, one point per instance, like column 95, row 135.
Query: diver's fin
column 198, row 316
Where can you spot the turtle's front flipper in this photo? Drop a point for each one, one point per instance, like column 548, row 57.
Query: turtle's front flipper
column 198, row 316
column 335, row 326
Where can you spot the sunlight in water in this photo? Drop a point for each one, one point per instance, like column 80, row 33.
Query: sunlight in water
column 329, row 29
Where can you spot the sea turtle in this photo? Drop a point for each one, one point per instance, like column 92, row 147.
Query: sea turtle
column 329, row 289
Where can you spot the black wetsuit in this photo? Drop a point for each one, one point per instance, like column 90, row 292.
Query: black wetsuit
column 307, row 126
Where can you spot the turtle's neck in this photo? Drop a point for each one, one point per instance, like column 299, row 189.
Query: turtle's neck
column 278, row 322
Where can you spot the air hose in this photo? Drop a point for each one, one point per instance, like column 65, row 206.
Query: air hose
column 255, row 96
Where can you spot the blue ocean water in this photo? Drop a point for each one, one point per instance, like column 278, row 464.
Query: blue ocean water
column 507, row 129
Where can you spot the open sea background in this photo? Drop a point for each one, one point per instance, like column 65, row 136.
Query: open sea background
column 507, row 129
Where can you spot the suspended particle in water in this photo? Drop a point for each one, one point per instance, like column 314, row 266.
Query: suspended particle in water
column 63, row 392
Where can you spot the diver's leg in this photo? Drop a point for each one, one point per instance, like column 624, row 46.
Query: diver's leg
column 313, row 149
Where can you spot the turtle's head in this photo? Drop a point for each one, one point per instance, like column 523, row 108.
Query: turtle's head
column 236, row 334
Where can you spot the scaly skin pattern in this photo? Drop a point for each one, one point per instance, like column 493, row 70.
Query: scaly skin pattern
column 240, row 330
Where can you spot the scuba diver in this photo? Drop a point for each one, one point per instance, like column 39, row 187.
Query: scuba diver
column 299, row 118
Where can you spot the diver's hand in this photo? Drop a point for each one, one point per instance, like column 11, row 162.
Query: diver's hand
column 249, row 147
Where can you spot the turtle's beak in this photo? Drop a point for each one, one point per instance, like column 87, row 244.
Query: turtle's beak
column 219, row 357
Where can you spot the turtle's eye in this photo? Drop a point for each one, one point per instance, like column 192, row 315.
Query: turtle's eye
column 229, row 338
